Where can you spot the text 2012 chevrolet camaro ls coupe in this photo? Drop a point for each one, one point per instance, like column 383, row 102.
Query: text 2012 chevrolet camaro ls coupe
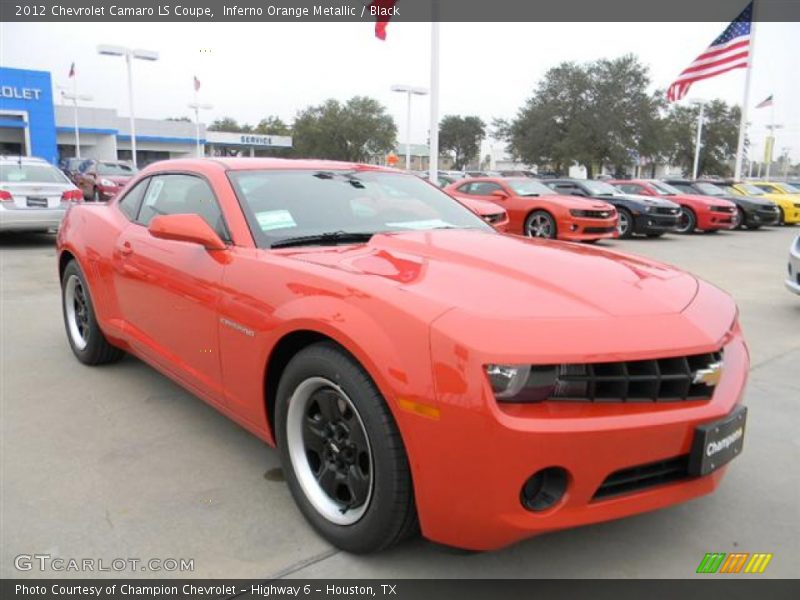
column 414, row 367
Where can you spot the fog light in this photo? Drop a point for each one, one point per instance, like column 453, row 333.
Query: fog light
column 544, row 489
column 573, row 227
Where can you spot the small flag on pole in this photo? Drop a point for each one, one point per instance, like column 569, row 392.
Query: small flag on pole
column 72, row 70
column 196, row 84
column 383, row 11
column 731, row 50
column 765, row 103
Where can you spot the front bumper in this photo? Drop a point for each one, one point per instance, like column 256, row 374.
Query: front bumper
column 710, row 220
column 581, row 229
column 31, row 219
column 791, row 212
column 760, row 216
column 477, row 456
column 654, row 223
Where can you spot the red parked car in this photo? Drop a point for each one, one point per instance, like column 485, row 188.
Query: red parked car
column 697, row 212
column 490, row 212
column 414, row 367
column 535, row 210
column 100, row 180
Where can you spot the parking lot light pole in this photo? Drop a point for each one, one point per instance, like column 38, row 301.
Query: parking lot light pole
column 197, row 107
column 129, row 55
column 409, row 90
column 74, row 98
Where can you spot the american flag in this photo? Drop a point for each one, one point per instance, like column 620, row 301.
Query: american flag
column 72, row 70
column 196, row 84
column 766, row 102
column 731, row 50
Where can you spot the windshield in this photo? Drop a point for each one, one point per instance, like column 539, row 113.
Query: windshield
column 281, row 205
column 751, row 190
column 599, row 188
column 664, row 189
column 32, row 173
column 529, row 187
column 709, row 189
column 793, row 188
column 109, row 168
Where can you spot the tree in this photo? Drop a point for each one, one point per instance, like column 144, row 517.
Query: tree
column 272, row 126
column 592, row 114
column 720, row 137
column 462, row 137
column 227, row 124
column 354, row 131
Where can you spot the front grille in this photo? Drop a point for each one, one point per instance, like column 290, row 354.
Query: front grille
column 599, row 229
column 597, row 214
column 496, row 218
column 723, row 209
column 666, row 210
column 657, row 380
column 642, row 477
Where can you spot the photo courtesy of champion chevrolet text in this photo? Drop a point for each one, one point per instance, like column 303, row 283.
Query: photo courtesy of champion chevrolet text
column 399, row 299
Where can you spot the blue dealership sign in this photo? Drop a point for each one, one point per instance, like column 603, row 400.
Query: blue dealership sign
column 29, row 94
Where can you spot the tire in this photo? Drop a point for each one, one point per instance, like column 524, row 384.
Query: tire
column 781, row 217
column 540, row 224
column 96, row 196
column 740, row 220
column 88, row 343
column 655, row 235
column 688, row 221
column 331, row 419
column 625, row 224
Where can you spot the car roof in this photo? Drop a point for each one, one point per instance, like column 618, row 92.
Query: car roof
column 244, row 164
column 23, row 159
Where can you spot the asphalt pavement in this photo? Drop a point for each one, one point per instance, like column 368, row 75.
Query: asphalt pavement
column 118, row 462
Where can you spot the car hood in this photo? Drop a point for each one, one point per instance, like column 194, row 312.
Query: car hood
column 706, row 200
column 753, row 200
column 505, row 276
column 578, row 202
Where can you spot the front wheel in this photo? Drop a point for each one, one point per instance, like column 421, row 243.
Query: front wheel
column 540, row 224
column 342, row 453
column 625, row 224
column 687, row 222
column 88, row 343
column 739, row 219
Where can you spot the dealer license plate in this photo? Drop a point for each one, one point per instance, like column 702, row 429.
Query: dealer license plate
column 717, row 443
column 37, row 202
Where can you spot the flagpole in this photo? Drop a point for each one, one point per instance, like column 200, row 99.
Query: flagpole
column 434, row 116
column 737, row 171
column 75, row 113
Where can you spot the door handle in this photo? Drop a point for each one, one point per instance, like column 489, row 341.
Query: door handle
column 126, row 249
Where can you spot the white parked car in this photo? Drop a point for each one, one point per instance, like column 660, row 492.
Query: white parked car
column 34, row 195
column 793, row 282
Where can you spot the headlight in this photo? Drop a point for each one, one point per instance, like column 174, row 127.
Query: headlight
column 648, row 208
column 507, row 380
column 107, row 183
column 579, row 213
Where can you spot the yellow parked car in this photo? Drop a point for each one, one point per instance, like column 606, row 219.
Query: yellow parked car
column 785, row 195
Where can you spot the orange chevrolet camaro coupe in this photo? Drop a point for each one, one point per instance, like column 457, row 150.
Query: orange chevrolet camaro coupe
column 416, row 369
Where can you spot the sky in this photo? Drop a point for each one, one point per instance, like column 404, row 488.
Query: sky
column 252, row 70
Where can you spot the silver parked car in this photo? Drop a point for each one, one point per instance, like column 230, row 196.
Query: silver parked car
column 34, row 195
column 793, row 282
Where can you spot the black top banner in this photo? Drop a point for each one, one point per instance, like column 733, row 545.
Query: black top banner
column 394, row 10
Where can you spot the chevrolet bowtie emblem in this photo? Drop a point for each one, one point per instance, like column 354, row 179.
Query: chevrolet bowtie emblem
column 710, row 375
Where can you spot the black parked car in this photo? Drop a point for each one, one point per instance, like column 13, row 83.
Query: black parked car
column 644, row 215
column 751, row 212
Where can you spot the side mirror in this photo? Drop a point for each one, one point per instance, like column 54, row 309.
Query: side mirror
column 185, row 228
column 500, row 194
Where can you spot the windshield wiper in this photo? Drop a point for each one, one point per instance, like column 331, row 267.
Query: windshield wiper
column 530, row 195
column 329, row 238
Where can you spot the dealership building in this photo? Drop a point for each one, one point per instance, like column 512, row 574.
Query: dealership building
column 31, row 124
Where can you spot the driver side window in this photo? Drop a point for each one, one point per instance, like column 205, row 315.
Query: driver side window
column 182, row 194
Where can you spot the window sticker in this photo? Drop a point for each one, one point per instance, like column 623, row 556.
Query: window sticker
column 275, row 219
column 421, row 225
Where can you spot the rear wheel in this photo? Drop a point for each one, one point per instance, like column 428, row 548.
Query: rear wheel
column 687, row 222
column 625, row 224
column 540, row 224
column 88, row 343
column 344, row 460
